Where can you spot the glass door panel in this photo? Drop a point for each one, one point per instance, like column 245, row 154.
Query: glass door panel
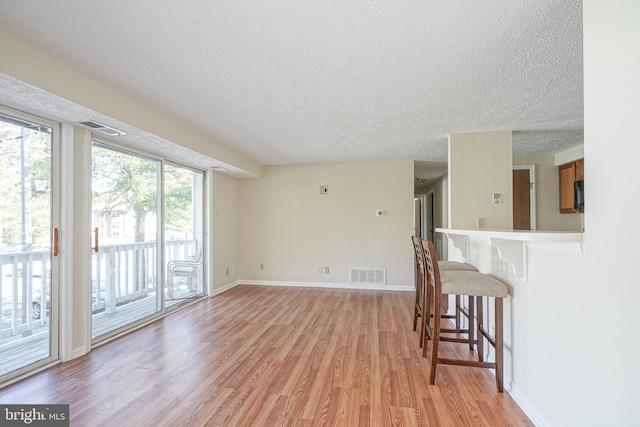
column 26, row 333
column 124, row 271
column 183, row 233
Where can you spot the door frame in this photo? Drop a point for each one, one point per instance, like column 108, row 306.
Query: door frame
column 96, row 141
column 427, row 215
column 430, row 216
column 59, row 329
column 422, row 199
column 532, row 191
column 203, row 249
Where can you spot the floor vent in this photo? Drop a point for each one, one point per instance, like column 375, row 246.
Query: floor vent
column 368, row 275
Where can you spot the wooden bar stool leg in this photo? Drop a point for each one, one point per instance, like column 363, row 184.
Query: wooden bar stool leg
column 435, row 340
column 425, row 311
column 458, row 311
column 480, row 311
column 426, row 324
column 471, row 322
column 499, row 345
column 416, row 312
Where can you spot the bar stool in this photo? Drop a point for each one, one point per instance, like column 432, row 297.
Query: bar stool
column 420, row 274
column 464, row 283
column 419, row 283
column 461, row 310
column 428, row 250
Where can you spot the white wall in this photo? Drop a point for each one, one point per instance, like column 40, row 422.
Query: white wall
column 548, row 216
column 610, row 283
column 286, row 225
column 225, row 231
column 480, row 165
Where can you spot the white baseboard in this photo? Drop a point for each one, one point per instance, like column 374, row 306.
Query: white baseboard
column 527, row 407
column 224, row 288
column 369, row 287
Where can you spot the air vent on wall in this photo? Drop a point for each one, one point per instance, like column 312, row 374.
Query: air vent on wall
column 103, row 128
column 368, row 275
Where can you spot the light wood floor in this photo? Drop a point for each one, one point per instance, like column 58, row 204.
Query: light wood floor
column 270, row 356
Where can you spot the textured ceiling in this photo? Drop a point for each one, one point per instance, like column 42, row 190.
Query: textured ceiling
column 292, row 82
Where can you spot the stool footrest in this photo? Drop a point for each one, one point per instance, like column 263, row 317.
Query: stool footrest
column 472, row 363
column 458, row 340
column 454, row 331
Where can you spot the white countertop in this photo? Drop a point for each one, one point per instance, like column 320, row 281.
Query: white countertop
column 523, row 235
column 513, row 245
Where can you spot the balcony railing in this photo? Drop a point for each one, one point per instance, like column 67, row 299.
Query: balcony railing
column 121, row 274
column 23, row 284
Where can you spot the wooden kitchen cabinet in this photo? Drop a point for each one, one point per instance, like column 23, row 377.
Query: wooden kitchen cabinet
column 580, row 170
column 568, row 174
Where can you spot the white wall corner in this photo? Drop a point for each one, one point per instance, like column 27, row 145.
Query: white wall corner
column 224, row 288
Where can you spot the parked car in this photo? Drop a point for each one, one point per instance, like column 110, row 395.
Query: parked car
column 36, row 308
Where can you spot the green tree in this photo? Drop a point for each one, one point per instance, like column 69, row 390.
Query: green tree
column 25, row 211
column 178, row 202
column 125, row 183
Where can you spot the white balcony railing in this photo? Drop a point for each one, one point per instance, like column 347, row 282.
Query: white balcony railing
column 120, row 274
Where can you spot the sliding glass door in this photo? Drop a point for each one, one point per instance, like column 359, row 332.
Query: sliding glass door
column 28, row 270
column 125, row 202
column 183, row 233
column 148, row 251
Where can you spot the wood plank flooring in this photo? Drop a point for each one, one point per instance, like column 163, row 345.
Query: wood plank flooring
column 272, row 356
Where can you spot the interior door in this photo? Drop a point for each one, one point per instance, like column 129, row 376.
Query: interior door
column 521, row 199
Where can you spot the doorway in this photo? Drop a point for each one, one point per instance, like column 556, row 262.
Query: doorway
column 430, row 217
column 424, row 216
column 524, row 197
column 418, row 223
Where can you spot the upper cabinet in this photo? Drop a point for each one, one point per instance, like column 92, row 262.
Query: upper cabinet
column 579, row 170
column 569, row 173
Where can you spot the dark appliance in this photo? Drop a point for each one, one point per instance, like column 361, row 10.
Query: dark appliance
column 578, row 195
